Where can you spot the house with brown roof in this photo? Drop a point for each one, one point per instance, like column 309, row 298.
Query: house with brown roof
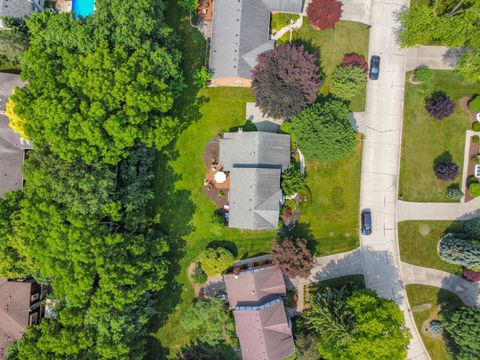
column 262, row 326
column 20, row 302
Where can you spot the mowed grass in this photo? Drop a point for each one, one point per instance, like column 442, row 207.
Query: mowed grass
column 186, row 211
column 280, row 20
column 425, row 139
column 331, row 218
column 331, row 45
column 421, row 250
column 420, row 295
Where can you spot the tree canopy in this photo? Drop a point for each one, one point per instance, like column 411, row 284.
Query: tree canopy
column 323, row 131
column 95, row 90
column 347, row 81
column 462, row 327
column 285, row 80
column 358, row 325
column 453, row 23
column 216, row 260
column 293, row 257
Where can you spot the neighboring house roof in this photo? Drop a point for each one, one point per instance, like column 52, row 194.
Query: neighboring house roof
column 264, row 332
column 260, row 319
column 255, row 198
column 12, row 145
column 20, row 8
column 254, row 286
column 15, row 301
column 254, row 149
column 241, row 31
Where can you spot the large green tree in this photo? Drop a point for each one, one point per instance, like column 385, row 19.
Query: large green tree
column 95, row 90
column 323, row 131
column 462, row 327
column 358, row 325
column 453, row 23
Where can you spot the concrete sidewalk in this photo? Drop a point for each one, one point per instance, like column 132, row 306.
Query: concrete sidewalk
column 465, row 290
column 438, row 211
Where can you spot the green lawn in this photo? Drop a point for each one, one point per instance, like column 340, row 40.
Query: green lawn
column 280, row 20
column 332, row 45
column 421, row 250
column 331, row 217
column 421, row 294
column 425, row 139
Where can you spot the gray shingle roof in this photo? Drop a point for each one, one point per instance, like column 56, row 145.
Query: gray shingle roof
column 20, row 8
column 241, row 31
column 254, row 149
column 255, row 198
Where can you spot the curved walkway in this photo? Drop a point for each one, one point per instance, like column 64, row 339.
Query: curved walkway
column 438, row 211
column 467, row 291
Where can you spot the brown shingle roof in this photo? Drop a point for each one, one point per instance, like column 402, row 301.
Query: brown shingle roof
column 254, row 286
column 14, row 315
column 264, row 334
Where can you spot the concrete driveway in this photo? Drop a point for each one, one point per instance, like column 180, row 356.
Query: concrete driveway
column 356, row 10
column 438, row 211
column 435, row 57
column 380, row 165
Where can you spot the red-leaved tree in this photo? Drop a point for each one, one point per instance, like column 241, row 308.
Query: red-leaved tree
column 292, row 256
column 285, row 80
column 324, row 14
column 355, row 60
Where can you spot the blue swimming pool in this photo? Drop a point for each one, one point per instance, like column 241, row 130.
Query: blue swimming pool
column 83, row 8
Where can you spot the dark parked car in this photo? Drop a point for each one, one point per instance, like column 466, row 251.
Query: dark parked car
column 366, row 222
column 374, row 67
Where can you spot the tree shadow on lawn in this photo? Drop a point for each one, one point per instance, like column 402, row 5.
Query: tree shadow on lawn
column 203, row 351
column 302, row 231
column 313, row 49
column 230, row 246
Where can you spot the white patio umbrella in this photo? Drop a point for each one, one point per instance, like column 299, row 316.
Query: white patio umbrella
column 220, row 177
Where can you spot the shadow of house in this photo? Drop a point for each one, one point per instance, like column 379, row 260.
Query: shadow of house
column 240, row 32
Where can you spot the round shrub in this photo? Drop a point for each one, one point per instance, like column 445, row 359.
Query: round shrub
column 323, row 131
column 454, row 192
column 459, row 251
column 436, row 327
column 347, row 81
column 324, row 14
column 447, row 170
column 476, row 139
column 471, row 275
column 440, row 106
column 355, row 60
column 216, row 261
column 474, row 104
column 474, row 189
column 476, row 126
column 423, row 73
column 285, row 80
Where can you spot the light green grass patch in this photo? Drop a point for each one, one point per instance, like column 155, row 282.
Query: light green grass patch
column 426, row 138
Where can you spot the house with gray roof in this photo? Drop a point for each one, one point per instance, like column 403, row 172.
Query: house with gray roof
column 255, row 162
column 12, row 145
column 240, row 32
column 20, row 8
column 262, row 326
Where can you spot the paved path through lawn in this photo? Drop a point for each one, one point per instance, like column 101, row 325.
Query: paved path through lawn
column 381, row 165
column 438, row 211
column 465, row 290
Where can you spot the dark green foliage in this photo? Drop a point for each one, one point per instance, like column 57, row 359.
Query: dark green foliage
column 347, row 81
column 292, row 181
column 462, row 328
column 356, row 325
column 199, row 275
column 472, row 228
column 476, row 126
column 459, row 251
column 306, row 347
column 476, row 139
column 13, row 41
column 323, row 131
column 201, row 77
column 208, row 321
column 285, row 80
column 474, row 104
column 423, row 73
